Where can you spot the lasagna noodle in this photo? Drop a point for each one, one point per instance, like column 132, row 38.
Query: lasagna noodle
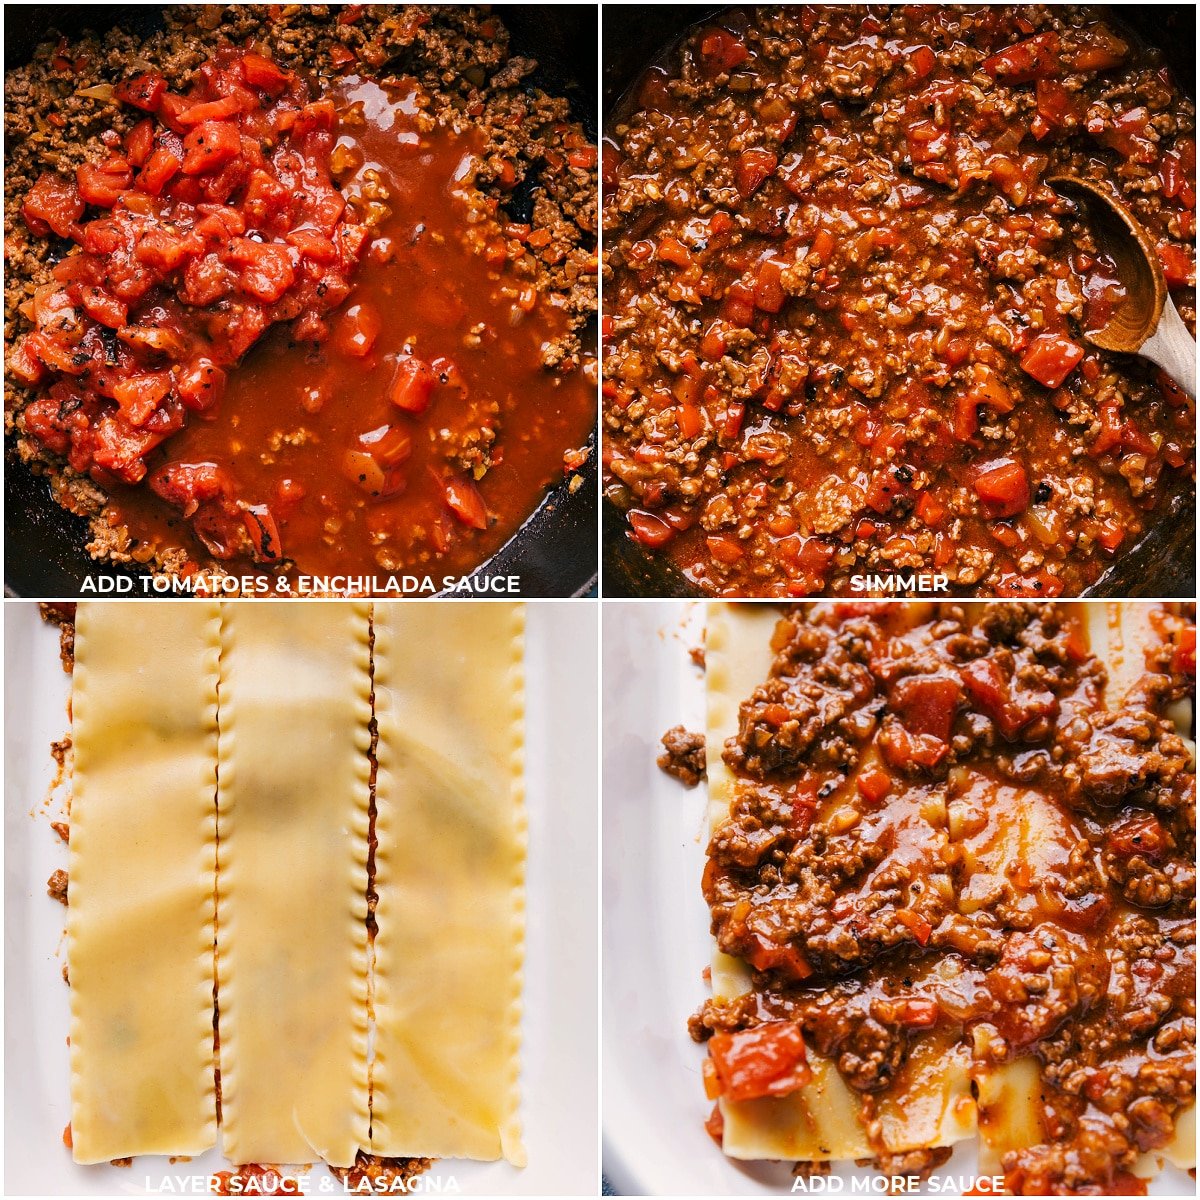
column 293, row 817
column 449, row 875
column 930, row 1103
column 142, row 859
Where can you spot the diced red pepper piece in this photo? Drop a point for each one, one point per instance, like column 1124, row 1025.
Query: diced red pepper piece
column 767, row 1060
column 142, row 91
column 209, row 146
column 465, row 502
column 1050, row 359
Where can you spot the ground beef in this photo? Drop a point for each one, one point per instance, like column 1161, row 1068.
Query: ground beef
column 56, row 887
column 684, row 755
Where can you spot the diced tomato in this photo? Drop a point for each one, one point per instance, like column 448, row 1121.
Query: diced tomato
column 784, row 959
column 767, row 1060
column 104, row 307
column 712, row 345
column 267, row 272
column 1036, row 57
column 1011, row 708
column 465, row 502
column 648, row 529
column 139, row 142
column 412, row 385
column 389, row 445
column 930, row 510
column 217, row 110
column 102, row 185
column 1179, row 267
column 142, row 91
column 1003, row 486
column 927, row 704
column 752, row 169
column 1139, row 833
column 140, row 395
column 209, row 146
column 720, row 51
column 1030, row 586
column 23, row 365
column 188, row 485
column 200, row 384
column 921, row 929
column 266, row 546
column 1183, row 661
column 53, row 203
column 161, row 167
column 873, row 783
column 263, row 74
column 1050, row 359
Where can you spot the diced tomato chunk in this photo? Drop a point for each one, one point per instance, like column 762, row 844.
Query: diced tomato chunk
column 766, row 1060
column 784, row 959
column 188, row 485
column 650, row 530
column 714, row 1126
column 142, row 91
column 267, row 271
column 1179, row 268
column 262, row 73
column 921, row 929
column 200, row 384
column 1050, row 359
column 209, row 146
column 720, row 51
column 103, row 184
column 139, row 142
column 1026, row 61
column 927, row 704
column 753, row 168
column 1003, row 486
column 465, row 502
column 53, row 202
column 874, row 783
column 1184, row 659
column 412, row 385
column 140, row 395
column 358, row 330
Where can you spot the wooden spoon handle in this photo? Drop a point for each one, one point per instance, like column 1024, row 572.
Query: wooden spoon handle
column 1173, row 348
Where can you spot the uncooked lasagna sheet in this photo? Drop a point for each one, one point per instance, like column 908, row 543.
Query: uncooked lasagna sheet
column 450, row 865
column 142, row 856
column 294, row 799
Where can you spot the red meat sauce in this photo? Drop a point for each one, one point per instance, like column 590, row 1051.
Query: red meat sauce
column 293, row 338
column 849, row 320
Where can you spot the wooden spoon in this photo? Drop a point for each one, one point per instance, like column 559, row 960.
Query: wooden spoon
column 1146, row 322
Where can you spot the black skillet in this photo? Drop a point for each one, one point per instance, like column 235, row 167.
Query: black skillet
column 1163, row 563
column 554, row 552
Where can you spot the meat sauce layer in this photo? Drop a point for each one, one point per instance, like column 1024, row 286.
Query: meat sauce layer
column 942, row 837
column 846, row 324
